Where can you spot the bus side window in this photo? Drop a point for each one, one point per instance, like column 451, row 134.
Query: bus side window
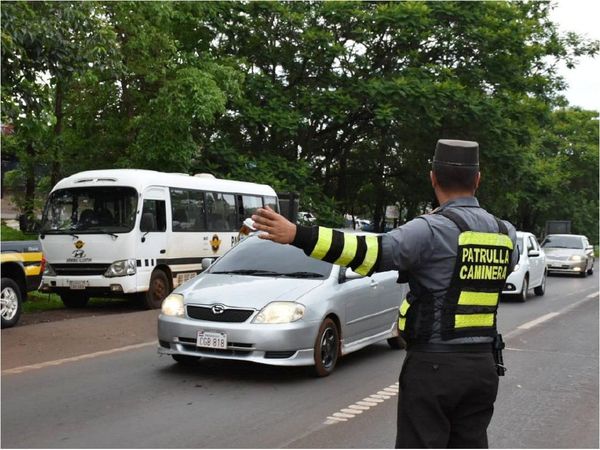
column 220, row 212
column 272, row 203
column 153, row 216
column 251, row 204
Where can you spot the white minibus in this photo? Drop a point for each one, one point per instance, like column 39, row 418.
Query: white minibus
column 116, row 232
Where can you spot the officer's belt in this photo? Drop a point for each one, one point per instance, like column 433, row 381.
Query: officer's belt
column 451, row 348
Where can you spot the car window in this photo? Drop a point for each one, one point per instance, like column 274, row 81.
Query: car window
column 255, row 256
column 532, row 244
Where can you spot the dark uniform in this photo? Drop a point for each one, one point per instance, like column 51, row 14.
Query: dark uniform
column 456, row 261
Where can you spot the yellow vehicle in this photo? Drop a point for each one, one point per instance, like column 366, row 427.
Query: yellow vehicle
column 22, row 268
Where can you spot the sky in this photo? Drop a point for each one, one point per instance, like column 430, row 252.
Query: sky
column 582, row 17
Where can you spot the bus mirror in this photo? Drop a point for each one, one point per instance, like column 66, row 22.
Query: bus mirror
column 206, row 263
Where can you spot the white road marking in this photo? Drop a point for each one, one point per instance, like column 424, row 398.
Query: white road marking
column 593, row 294
column 351, row 411
column 344, row 414
column 533, row 323
column 366, row 404
column 59, row 362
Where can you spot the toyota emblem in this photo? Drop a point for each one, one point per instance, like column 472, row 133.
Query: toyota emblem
column 218, row 309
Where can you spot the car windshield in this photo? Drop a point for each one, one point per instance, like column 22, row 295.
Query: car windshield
column 90, row 210
column 562, row 242
column 258, row 257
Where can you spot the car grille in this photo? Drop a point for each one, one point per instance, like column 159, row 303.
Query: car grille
column 228, row 315
column 80, row 269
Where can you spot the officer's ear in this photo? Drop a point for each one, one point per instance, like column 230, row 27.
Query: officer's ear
column 477, row 180
column 434, row 182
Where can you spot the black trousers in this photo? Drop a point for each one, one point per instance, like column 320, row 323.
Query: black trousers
column 446, row 400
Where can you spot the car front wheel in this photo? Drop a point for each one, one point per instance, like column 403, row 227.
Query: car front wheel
column 522, row 297
column 541, row 289
column 327, row 348
column 11, row 300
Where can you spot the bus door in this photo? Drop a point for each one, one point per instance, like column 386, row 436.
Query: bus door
column 152, row 233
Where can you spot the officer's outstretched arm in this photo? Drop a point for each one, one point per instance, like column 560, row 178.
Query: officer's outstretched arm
column 360, row 253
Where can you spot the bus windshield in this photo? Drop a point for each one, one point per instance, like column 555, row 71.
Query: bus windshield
column 106, row 209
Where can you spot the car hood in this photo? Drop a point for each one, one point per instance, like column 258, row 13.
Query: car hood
column 562, row 252
column 245, row 291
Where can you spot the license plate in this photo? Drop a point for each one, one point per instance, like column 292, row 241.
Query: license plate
column 211, row 340
column 78, row 285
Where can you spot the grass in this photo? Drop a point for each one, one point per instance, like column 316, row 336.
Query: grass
column 39, row 301
column 10, row 234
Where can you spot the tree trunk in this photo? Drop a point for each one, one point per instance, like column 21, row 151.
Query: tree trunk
column 58, row 113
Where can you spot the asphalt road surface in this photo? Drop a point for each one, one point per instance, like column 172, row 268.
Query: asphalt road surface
column 98, row 382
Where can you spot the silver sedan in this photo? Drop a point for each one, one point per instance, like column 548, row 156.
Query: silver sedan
column 569, row 253
column 270, row 303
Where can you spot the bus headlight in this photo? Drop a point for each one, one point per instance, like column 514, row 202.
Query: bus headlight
column 173, row 305
column 121, row 268
column 280, row 312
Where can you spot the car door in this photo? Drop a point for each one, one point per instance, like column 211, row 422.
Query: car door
column 361, row 305
column 536, row 262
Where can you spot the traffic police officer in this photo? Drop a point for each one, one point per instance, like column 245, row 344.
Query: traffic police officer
column 456, row 261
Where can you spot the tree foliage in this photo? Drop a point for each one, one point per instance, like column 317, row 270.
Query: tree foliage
column 340, row 101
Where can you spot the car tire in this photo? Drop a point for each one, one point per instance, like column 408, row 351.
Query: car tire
column 591, row 269
column 74, row 300
column 185, row 359
column 541, row 289
column 584, row 272
column 12, row 301
column 327, row 348
column 522, row 297
column 157, row 291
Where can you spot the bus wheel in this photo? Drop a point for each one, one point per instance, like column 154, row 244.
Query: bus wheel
column 157, row 291
column 74, row 299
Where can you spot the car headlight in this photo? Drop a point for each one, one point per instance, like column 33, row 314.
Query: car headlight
column 576, row 258
column 173, row 305
column 49, row 271
column 280, row 312
column 517, row 267
column 121, row 268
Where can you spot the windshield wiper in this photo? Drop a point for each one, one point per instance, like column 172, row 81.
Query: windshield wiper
column 257, row 272
column 302, row 275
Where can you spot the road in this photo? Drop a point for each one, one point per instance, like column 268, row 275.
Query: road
column 98, row 382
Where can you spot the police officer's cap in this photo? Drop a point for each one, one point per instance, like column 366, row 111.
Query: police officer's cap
column 450, row 152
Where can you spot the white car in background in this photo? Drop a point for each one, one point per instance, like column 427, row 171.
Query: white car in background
column 530, row 272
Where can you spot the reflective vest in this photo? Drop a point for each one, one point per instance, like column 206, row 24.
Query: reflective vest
column 468, row 308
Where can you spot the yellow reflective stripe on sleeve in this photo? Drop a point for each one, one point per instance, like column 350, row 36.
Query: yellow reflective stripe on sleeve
column 349, row 251
column 404, row 307
column 473, row 320
column 323, row 243
column 477, row 238
column 478, row 298
column 401, row 323
column 370, row 255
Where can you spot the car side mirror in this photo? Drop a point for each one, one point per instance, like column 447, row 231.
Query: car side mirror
column 533, row 253
column 589, row 248
column 347, row 274
column 206, row 263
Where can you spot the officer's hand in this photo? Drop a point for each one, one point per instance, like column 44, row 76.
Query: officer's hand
column 276, row 227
